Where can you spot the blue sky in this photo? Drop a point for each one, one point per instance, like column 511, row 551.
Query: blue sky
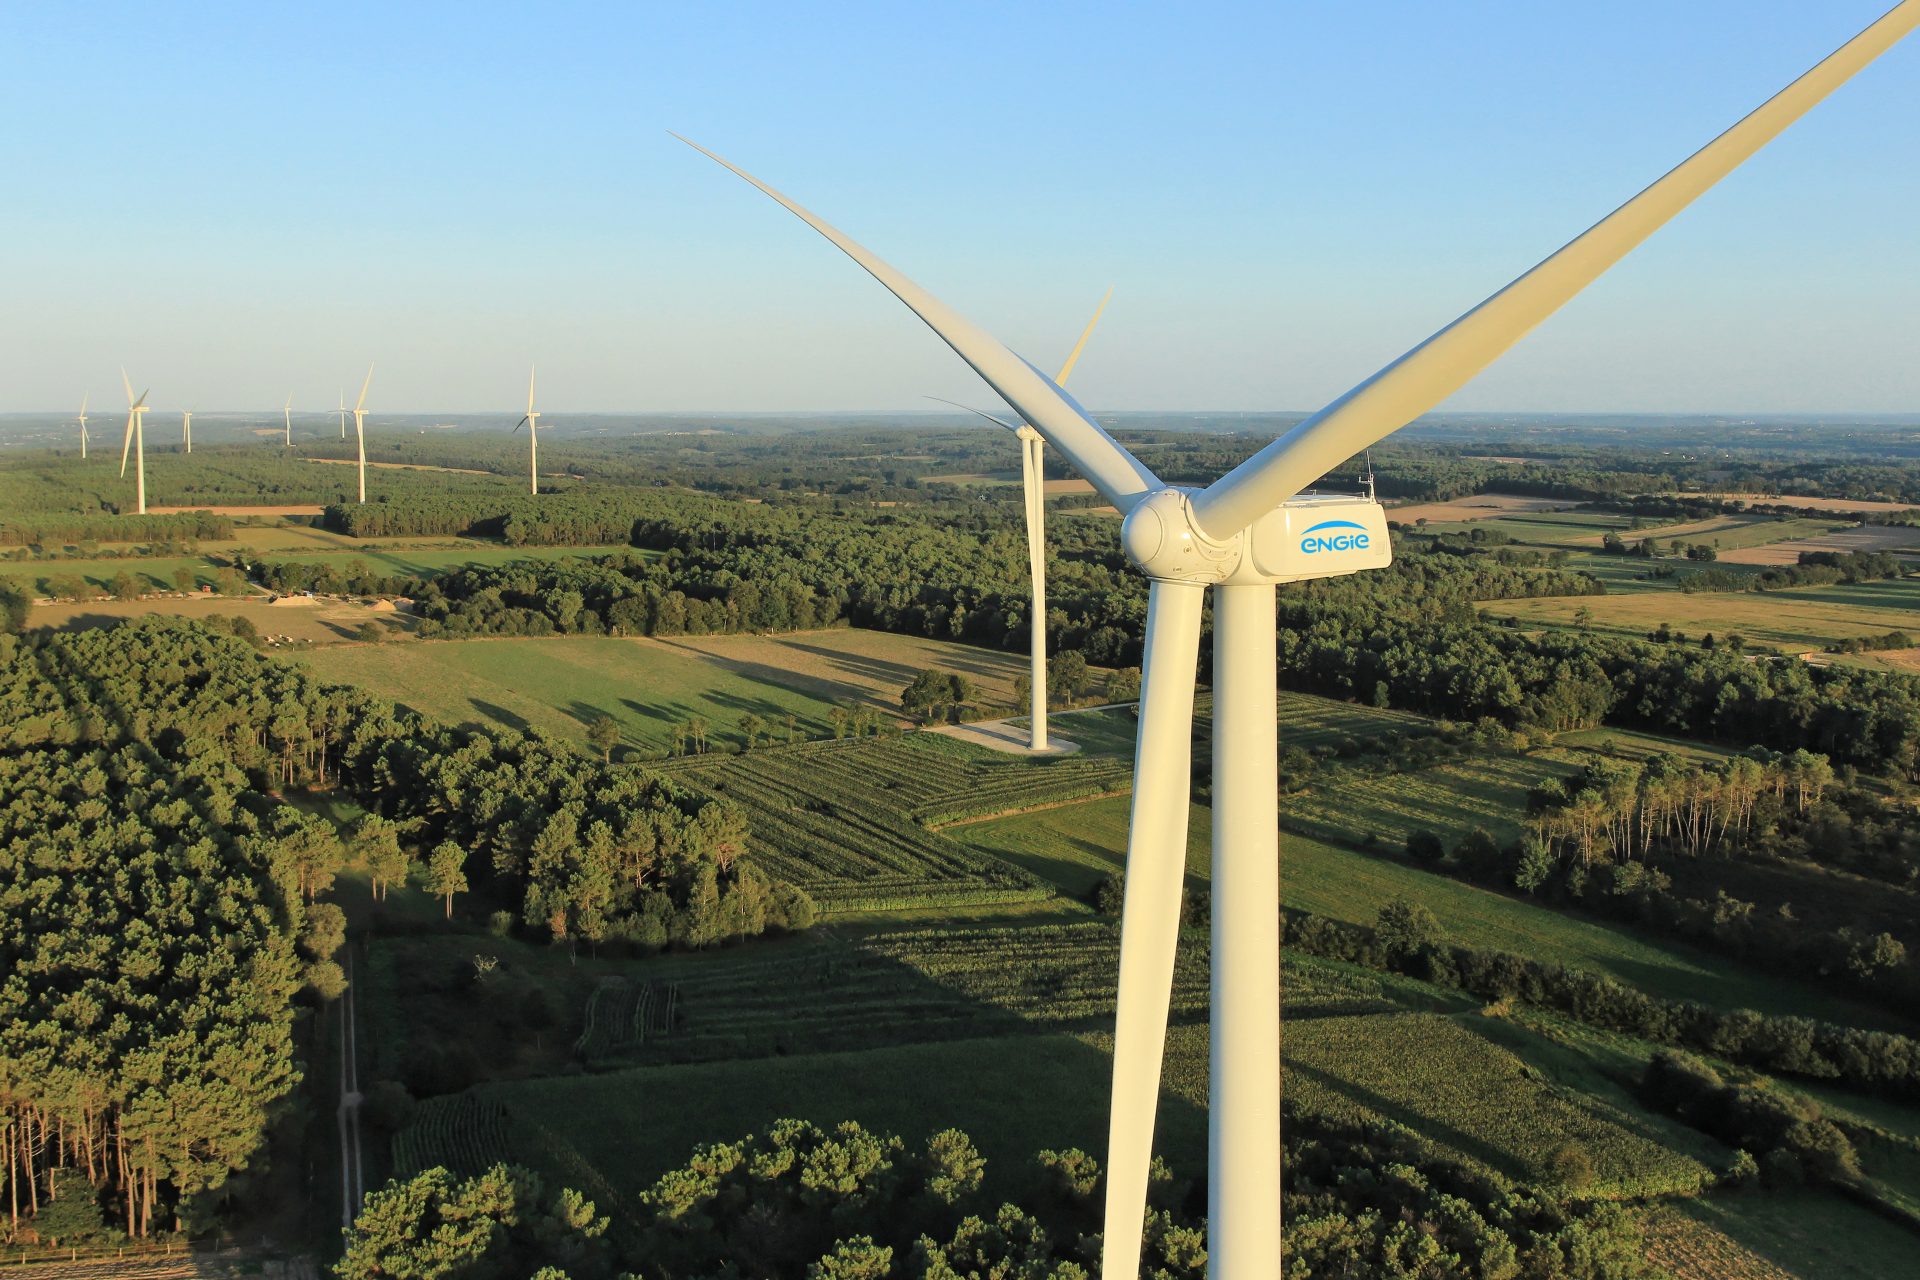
column 236, row 201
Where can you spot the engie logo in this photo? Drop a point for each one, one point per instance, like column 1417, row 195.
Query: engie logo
column 1315, row 539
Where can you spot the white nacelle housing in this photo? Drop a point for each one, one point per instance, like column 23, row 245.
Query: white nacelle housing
column 1320, row 537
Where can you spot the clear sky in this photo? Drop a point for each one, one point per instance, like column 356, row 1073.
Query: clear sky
column 238, row 200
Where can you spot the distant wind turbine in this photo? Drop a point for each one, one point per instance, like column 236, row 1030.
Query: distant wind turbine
column 343, row 413
column 1033, row 488
column 532, row 423
column 83, row 426
column 136, row 439
column 288, row 412
column 360, row 430
column 186, row 428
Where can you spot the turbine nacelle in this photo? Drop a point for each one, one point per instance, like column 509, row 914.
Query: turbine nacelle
column 1308, row 536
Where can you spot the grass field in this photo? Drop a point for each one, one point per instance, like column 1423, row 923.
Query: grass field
column 1481, row 506
column 1775, row 1235
column 316, row 622
column 1790, row 621
column 1014, row 1095
column 1844, row 538
column 560, row 684
column 1570, row 530
column 1469, row 1095
column 1486, row 789
column 1074, row 848
column 1731, row 532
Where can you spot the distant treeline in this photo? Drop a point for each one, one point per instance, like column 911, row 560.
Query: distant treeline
column 1815, row 569
column 60, row 530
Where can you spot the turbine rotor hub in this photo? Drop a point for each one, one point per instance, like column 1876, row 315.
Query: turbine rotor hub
column 1164, row 541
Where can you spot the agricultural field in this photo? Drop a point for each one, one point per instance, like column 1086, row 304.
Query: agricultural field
column 853, row 823
column 1553, row 530
column 318, row 622
column 1468, row 1096
column 1789, row 621
column 1810, row 504
column 1775, row 1235
column 1487, row 789
column 561, row 683
column 1014, row 1095
column 1480, row 506
column 1902, row 539
column 1075, row 848
column 1730, row 532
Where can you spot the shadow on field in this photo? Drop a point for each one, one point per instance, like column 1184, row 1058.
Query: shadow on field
column 811, row 1028
column 500, row 715
column 888, row 674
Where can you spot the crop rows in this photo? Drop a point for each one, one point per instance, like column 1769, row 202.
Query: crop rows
column 621, row 1014
column 929, row 985
column 847, row 821
column 461, row 1132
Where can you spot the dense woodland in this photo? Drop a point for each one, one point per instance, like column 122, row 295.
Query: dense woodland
column 156, row 887
column 852, row 1204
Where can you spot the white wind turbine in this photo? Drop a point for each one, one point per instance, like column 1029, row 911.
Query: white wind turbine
column 136, row 438
column 360, row 430
column 1033, row 489
column 532, row 423
column 343, row 410
column 1248, row 531
column 287, row 412
column 83, row 426
column 186, row 429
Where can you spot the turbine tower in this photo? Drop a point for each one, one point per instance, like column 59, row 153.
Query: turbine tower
column 287, row 411
column 186, row 429
column 1033, row 490
column 83, row 427
column 1242, row 535
column 343, row 412
column 532, row 423
column 136, row 438
column 360, row 424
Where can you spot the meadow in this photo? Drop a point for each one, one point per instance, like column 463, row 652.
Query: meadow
column 1791, row 620
column 649, row 686
column 1076, row 848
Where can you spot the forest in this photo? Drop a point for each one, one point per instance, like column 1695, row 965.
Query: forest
column 164, row 896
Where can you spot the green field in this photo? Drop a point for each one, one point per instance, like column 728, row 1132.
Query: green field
column 561, row 683
column 1791, row 620
column 1486, row 789
column 1075, row 848
column 1015, row 1095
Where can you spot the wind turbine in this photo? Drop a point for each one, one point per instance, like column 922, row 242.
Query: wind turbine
column 532, row 423
column 186, row 429
column 1246, row 532
column 83, row 426
column 137, row 439
column 1033, row 489
column 287, row 410
column 343, row 411
column 360, row 423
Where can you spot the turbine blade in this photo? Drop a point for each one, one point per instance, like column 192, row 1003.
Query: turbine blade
column 1078, row 347
column 1119, row 476
column 127, row 443
column 1435, row 369
column 998, row 422
column 516, row 426
column 143, row 399
column 83, row 405
column 1150, row 911
column 361, row 403
column 530, row 371
column 127, row 383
